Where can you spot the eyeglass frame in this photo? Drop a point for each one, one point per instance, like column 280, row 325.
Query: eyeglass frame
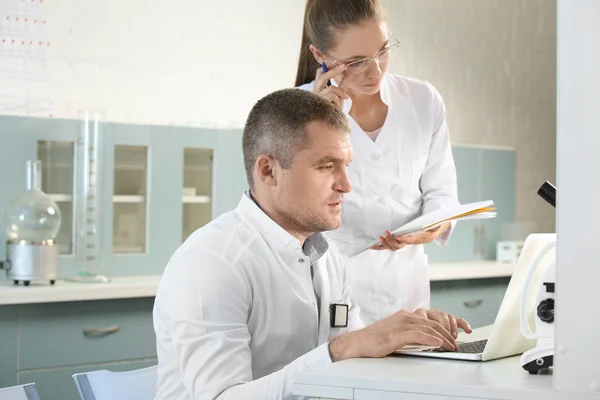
column 389, row 47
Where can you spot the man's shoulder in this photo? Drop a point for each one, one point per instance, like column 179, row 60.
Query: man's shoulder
column 207, row 265
column 224, row 235
column 336, row 262
column 219, row 244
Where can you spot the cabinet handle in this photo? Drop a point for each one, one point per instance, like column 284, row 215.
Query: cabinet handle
column 476, row 238
column 105, row 330
column 473, row 303
column 481, row 240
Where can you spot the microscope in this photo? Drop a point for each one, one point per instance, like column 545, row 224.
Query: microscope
column 541, row 357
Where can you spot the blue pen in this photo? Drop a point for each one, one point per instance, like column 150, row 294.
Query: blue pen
column 324, row 68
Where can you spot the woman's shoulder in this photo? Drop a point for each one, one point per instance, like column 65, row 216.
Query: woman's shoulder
column 306, row 86
column 412, row 86
column 419, row 91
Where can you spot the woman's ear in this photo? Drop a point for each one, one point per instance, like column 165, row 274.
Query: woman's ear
column 317, row 54
column 265, row 170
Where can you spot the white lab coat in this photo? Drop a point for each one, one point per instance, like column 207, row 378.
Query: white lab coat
column 408, row 170
column 236, row 316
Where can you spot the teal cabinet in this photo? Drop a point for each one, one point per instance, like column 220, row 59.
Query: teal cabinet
column 85, row 332
column 8, row 345
column 498, row 168
column 47, row 343
column 127, row 195
column 476, row 300
column 157, row 184
column 463, row 242
column 482, row 174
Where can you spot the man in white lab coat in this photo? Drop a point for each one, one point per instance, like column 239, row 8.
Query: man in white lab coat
column 258, row 294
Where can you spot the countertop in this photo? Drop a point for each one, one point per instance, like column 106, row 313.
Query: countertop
column 122, row 287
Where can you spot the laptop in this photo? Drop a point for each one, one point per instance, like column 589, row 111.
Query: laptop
column 504, row 337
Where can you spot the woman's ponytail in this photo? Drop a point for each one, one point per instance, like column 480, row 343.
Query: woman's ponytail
column 307, row 65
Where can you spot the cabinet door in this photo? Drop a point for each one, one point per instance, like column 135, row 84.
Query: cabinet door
column 8, row 346
column 498, row 168
column 52, row 141
column 198, row 194
column 202, row 177
column 463, row 242
column 87, row 332
column 476, row 300
column 58, row 177
column 55, row 142
column 126, row 191
column 59, row 383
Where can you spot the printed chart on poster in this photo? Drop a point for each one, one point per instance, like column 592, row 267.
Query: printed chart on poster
column 24, row 76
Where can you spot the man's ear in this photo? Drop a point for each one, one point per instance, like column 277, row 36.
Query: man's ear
column 317, row 54
column 265, row 170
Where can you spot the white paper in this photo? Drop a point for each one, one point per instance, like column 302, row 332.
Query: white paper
column 438, row 217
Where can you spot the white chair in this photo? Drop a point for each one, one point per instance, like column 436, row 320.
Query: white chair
column 139, row 384
column 27, row 391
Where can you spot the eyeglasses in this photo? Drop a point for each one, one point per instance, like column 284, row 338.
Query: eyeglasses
column 358, row 66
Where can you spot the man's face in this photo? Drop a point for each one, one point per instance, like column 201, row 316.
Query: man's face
column 312, row 191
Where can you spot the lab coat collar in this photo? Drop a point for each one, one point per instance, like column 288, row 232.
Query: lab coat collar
column 278, row 239
column 384, row 92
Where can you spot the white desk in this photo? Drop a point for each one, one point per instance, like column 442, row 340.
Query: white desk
column 477, row 269
column 405, row 377
column 395, row 378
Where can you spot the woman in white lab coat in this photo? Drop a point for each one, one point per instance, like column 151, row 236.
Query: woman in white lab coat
column 403, row 165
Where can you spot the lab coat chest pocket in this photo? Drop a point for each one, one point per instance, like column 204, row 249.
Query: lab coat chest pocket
column 412, row 150
column 410, row 171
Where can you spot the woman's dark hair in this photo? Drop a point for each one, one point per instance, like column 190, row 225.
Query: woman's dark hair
column 321, row 19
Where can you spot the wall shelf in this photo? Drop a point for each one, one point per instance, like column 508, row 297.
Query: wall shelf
column 195, row 199
column 129, row 199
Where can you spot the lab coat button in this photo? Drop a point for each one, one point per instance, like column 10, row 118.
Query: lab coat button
column 381, row 200
column 374, row 157
column 301, row 261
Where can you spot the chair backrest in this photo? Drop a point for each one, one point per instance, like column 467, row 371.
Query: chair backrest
column 27, row 391
column 139, row 384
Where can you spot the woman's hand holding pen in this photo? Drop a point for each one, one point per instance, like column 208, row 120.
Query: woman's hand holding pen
column 334, row 94
column 393, row 243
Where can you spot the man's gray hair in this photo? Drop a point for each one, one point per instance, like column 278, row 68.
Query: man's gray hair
column 276, row 126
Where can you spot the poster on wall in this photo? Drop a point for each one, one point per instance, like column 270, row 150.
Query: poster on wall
column 24, row 77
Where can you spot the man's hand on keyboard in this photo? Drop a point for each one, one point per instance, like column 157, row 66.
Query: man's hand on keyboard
column 448, row 321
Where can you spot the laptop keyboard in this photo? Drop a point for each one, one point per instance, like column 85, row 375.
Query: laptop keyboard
column 470, row 347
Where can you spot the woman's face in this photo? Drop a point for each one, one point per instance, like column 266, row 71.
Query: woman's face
column 361, row 43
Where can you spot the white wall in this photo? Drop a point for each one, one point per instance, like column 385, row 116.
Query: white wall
column 494, row 62
column 577, row 275
column 180, row 62
column 205, row 63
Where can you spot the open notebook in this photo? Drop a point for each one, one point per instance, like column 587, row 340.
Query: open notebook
column 477, row 210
